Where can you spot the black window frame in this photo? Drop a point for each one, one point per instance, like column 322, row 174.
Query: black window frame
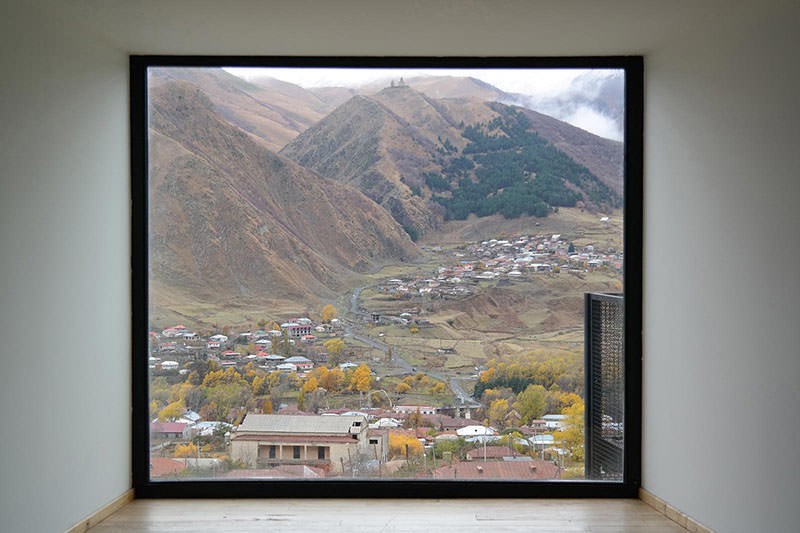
column 144, row 487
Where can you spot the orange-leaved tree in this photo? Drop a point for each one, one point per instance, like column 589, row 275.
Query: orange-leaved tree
column 402, row 444
column 329, row 312
column 185, row 450
column 361, row 380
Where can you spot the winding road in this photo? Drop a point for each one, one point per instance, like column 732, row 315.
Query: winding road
column 355, row 309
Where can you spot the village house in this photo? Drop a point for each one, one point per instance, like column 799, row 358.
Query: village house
column 517, row 470
column 175, row 331
column 168, row 430
column 554, row 422
column 295, row 330
column 301, row 363
column 408, row 409
column 334, row 442
column 492, row 453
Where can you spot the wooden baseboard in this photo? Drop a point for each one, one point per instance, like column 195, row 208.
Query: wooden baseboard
column 102, row 513
column 672, row 513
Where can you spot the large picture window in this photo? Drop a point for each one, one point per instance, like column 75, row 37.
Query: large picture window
column 386, row 276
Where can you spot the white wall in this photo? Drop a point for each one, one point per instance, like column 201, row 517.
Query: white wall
column 722, row 358
column 721, row 362
column 64, row 284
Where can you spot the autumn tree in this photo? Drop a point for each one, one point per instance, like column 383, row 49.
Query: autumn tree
column 171, row 411
column 329, row 312
column 273, row 379
column 266, row 407
column 572, row 435
column 437, row 388
column 531, row 403
column 379, row 399
column 568, row 399
column 500, row 393
column 225, row 390
column 260, row 385
column 361, row 380
column 335, row 348
column 310, row 385
column 402, row 445
column 497, row 412
column 186, row 450
column 334, row 380
column 402, row 387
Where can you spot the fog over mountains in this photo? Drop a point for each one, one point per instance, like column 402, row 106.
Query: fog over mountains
column 592, row 100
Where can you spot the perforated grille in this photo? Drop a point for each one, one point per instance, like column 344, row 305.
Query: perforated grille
column 605, row 386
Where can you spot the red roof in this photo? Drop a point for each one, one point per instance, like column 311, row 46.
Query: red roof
column 164, row 466
column 280, row 472
column 535, row 469
column 492, row 452
column 167, row 427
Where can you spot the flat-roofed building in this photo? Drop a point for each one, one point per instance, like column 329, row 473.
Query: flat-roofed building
column 334, row 442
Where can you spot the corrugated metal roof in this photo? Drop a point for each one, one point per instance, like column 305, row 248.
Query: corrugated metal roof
column 533, row 469
column 326, row 425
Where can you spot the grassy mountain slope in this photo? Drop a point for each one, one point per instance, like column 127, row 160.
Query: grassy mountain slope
column 418, row 157
column 230, row 219
column 273, row 112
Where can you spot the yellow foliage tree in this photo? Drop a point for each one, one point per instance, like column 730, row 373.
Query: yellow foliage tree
column 402, row 443
column 335, row 348
column 438, row 388
column 334, row 380
column 568, row 399
column 186, row 450
column 310, row 385
column 571, row 436
column 497, row 412
column 402, row 387
column 171, row 411
column 260, row 385
column 361, row 380
column 329, row 312
column 231, row 375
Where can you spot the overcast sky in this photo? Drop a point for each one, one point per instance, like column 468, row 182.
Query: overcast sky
column 562, row 93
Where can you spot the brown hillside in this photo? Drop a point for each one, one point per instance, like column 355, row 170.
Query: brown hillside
column 383, row 144
column 273, row 112
column 368, row 145
column 230, row 218
column 456, row 87
column 603, row 157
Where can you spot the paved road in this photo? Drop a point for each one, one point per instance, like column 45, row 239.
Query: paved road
column 454, row 384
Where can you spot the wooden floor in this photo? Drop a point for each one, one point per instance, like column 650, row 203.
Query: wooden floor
column 387, row 515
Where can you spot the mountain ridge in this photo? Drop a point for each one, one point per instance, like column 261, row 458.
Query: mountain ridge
column 231, row 217
column 389, row 144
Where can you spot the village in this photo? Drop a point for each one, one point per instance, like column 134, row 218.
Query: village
column 503, row 260
column 304, row 439
column 306, row 402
